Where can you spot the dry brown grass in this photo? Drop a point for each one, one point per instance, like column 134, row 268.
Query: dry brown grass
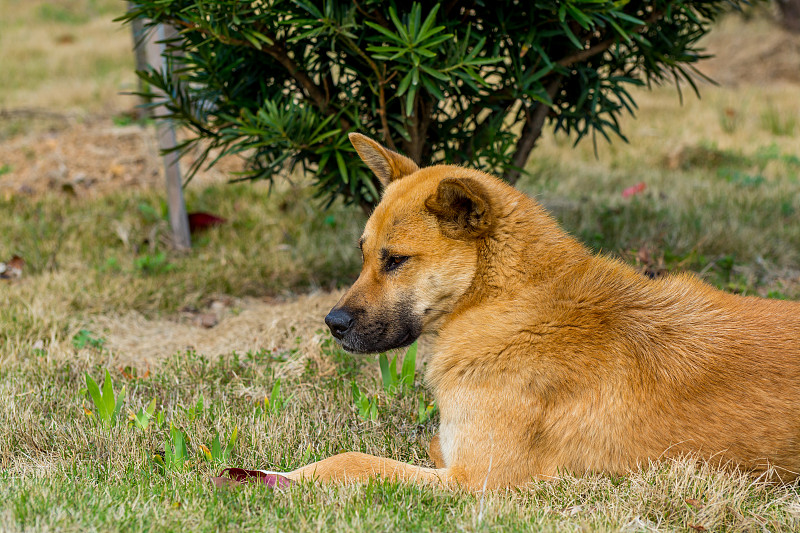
column 67, row 56
column 245, row 325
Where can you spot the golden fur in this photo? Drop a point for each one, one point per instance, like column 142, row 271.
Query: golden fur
column 549, row 358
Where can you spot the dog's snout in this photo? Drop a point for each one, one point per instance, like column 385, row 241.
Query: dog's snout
column 339, row 321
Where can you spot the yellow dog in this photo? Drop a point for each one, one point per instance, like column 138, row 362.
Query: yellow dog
column 549, row 358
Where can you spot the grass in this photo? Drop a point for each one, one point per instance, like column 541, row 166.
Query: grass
column 68, row 56
column 102, row 290
column 63, row 470
column 112, row 254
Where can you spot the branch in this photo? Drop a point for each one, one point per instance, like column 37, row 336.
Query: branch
column 531, row 131
column 587, row 53
column 382, row 81
column 278, row 53
column 480, row 127
column 602, row 46
column 313, row 90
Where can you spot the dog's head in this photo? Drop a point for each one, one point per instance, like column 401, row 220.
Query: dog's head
column 419, row 247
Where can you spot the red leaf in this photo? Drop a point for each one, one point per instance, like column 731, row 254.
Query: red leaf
column 12, row 269
column 202, row 221
column 634, row 190
column 240, row 476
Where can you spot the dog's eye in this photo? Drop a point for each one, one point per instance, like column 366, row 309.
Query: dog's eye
column 394, row 261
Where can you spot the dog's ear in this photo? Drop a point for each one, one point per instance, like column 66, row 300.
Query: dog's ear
column 387, row 165
column 463, row 208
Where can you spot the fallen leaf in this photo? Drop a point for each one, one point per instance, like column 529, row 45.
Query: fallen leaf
column 65, row 38
column 643, row 255
column 202, row 221
column 16, row 262
column 206, row 320
column 116, row 170
column 130, row 372
column 206, row 452
column 240, row 476
column 13, row 268
column 634, row 190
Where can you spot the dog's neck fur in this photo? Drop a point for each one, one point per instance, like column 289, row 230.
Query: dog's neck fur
column 509, row 258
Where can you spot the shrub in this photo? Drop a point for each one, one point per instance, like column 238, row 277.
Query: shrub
column 283, row 82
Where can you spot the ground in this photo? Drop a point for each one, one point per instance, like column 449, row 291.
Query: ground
column 708, row 185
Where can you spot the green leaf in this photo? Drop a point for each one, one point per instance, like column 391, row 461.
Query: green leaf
column 412, row 93
column 97, row 398
column 622, row 33
column 310, row 7
column 432, row 88
column 275, row 399
column 585, row 22
column 401, row 29
column 404, row 84
column 409, row 366
column 216, row 448
column 118, row 406
column 253, row 40
column 435, row 73
column 108, row 398
column 342, row 167
column 386, row 33
column 624, row 16
column 231, row 443
column 385, row 372
column 426, row 31
column 452, row 69
column 571, row 36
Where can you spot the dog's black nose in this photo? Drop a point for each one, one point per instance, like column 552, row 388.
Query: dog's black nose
column 339, row 321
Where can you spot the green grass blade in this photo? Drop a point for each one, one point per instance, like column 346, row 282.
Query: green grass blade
column 409, row 366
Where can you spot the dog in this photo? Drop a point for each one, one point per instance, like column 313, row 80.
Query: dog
column 548, row 358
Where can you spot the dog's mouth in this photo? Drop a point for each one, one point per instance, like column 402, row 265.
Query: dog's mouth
column 361, row 346
column 359, row 333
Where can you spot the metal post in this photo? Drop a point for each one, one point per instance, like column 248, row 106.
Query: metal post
column 151, row 50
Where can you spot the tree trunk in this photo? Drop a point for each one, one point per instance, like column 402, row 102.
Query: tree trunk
column 790, row 14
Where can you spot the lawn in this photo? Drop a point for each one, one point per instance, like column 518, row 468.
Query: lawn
column 228, row 338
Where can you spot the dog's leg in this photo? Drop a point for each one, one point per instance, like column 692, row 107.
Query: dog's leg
column 435, row 452
column 355, row 466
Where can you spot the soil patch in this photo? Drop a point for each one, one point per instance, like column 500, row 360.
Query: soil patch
column 293, row 327
column 88, row 157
